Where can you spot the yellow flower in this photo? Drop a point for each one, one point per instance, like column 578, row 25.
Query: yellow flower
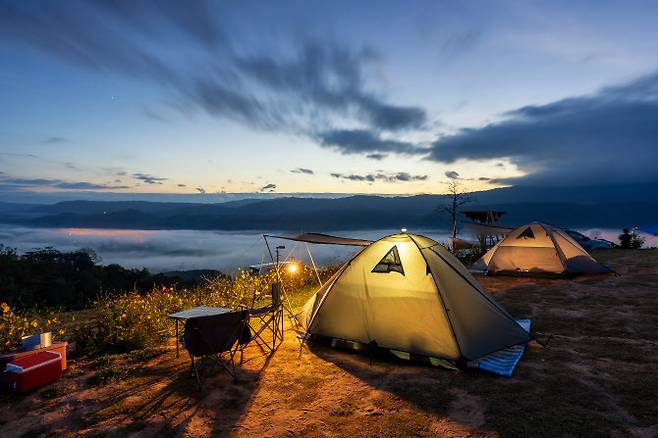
column 5, row 307
column 35, row 324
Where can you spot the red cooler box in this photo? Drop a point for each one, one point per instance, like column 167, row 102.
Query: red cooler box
column 27, row 373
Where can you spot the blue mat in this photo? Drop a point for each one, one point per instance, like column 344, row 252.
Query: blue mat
column 504, row 361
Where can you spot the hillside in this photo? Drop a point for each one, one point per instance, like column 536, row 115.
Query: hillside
column 597, row 206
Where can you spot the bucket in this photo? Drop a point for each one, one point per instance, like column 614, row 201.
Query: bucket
column 33, row 342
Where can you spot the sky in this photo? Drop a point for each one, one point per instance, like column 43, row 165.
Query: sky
column 389, row 97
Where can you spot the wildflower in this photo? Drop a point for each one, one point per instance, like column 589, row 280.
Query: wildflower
column 5, row 307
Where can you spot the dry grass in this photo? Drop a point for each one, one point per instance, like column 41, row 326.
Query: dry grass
column 598, row 377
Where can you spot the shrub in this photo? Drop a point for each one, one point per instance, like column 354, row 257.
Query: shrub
column 16, row 324
column 133, row 320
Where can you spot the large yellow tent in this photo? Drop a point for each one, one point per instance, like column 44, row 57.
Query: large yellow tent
column 407, row 293
column 538, row 249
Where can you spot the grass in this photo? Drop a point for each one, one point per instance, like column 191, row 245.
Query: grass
column 114, row 374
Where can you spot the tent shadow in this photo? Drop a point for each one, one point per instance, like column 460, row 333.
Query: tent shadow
column 406, row 379
column 465, row 403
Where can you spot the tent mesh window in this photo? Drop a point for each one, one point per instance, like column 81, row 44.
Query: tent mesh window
column 390, row 262
column 527, row 234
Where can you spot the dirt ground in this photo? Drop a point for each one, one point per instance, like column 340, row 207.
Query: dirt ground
column 597, row 377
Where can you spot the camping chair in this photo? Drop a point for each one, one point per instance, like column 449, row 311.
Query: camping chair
column 268, row 319
column 211, row 336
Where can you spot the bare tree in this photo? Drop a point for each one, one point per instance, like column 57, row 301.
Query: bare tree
column 457, row 197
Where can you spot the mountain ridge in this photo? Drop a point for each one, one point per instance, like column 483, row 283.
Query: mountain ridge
column 596, row 206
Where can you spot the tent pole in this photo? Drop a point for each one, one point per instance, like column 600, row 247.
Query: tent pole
column 313, row 263
column 278, row 276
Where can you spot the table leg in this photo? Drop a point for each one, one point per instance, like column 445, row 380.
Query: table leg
column 176, row 338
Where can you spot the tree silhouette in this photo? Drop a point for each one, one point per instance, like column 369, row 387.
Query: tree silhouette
column 457, row 196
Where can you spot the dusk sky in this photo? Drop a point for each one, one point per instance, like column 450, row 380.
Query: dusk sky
column 325, row 97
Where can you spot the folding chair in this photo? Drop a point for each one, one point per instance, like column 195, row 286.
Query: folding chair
column 211, row 336
column 268, row 319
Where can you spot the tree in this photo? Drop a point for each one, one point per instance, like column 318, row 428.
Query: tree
column 457, row 197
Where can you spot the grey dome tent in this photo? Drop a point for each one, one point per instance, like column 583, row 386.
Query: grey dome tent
column 538, row 249
column 408, row 294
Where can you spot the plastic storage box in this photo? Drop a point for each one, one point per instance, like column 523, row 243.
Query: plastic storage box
column 30, row 372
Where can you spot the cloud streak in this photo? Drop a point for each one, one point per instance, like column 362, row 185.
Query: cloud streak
column 360, row 141
column 148, row 179
column 389, row 178
column 294, row 90
column 54, row 140
column 21, row 184
column 303, row 170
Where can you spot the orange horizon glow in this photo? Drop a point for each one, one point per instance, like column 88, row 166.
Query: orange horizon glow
column 105, row 232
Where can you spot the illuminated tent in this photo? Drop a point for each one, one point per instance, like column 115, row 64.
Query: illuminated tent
column 538, row 249
column 408, row 294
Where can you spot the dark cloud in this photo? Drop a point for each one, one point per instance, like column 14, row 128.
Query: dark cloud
column 390, row 117
column 454, row 175
column 148, row 179
column 372, row 177
column 78, row 33
column 607, row 137
column 86, row 186
column 329, row 77
column 201, row 190
column 404, row 176
column 303, row 170
column 376, row 156
column 268, row 187
column 22, row 184
column 294, row 89
column 356, row 141
column 181, row 185
column 484, row 178
column 53, row 140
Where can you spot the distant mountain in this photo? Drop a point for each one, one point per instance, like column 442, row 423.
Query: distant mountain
column 102, row 207
column 573, row 215
column 600, row 206
column 14, row 207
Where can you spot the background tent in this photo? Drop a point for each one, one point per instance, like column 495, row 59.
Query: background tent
column 407, row 293
column 538, row 249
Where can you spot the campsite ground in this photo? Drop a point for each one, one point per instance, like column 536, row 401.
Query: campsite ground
column 598, row 377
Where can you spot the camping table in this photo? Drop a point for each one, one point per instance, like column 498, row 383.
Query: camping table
column 196, row 312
